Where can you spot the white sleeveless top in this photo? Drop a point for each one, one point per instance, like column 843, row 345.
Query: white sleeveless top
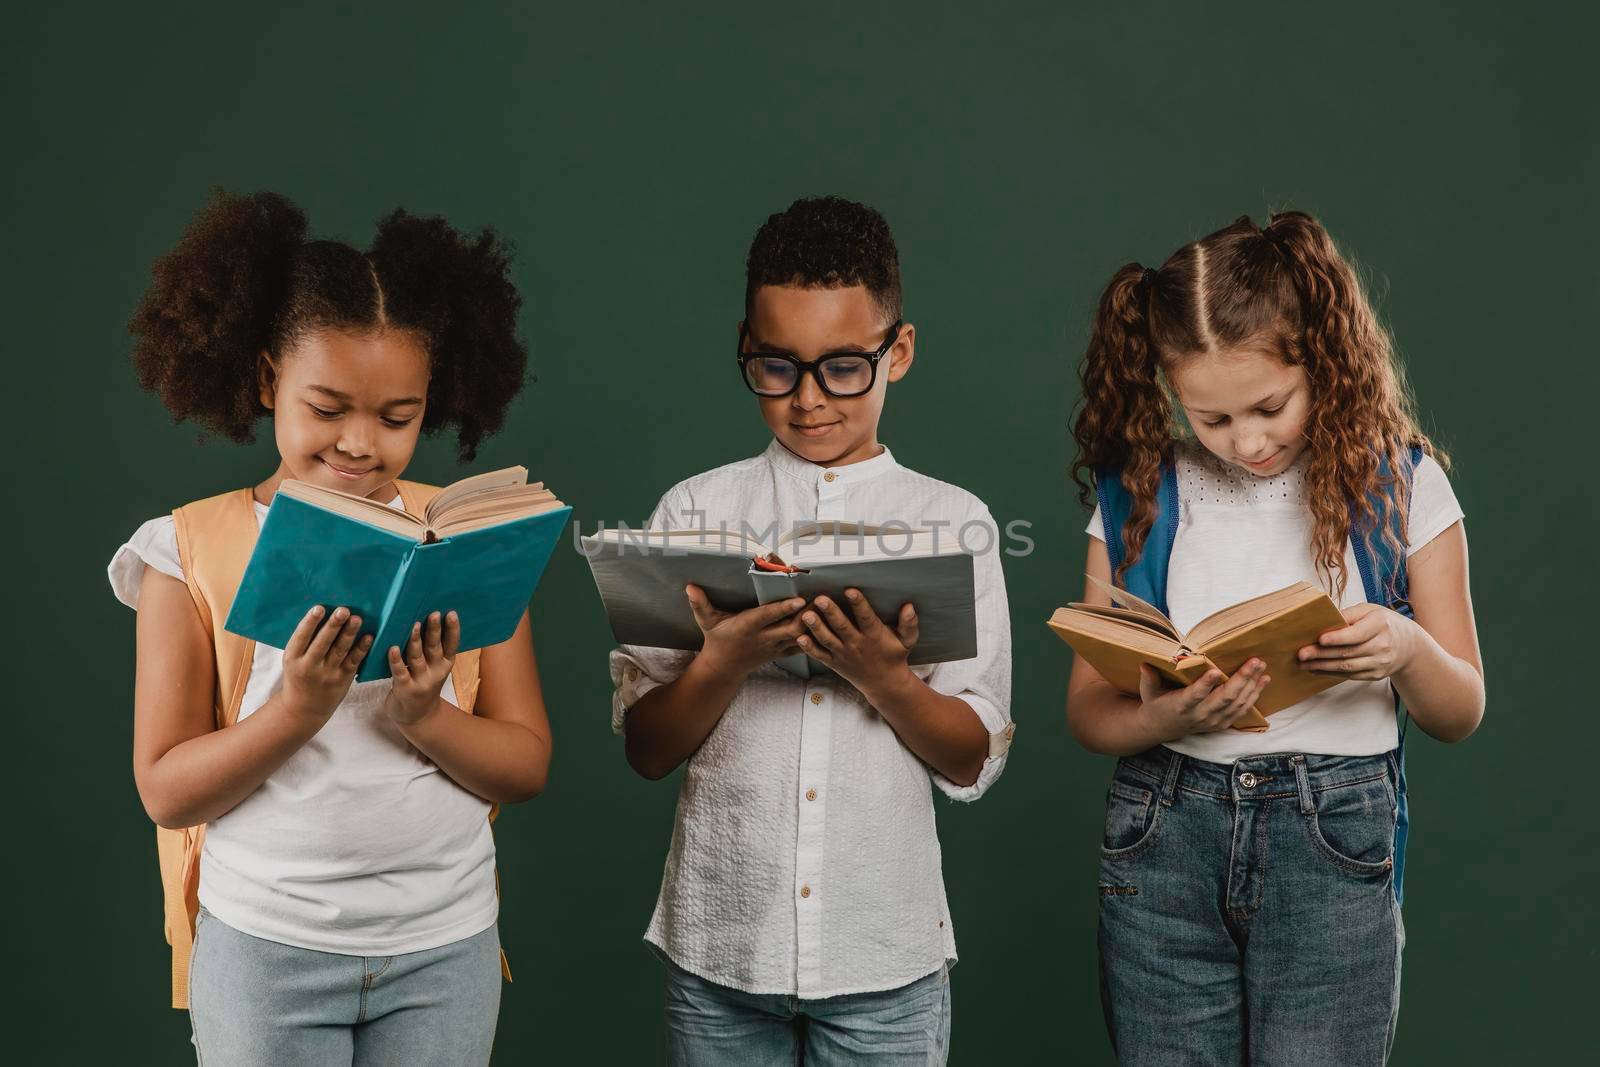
column 1240, row 536
column 358, row 844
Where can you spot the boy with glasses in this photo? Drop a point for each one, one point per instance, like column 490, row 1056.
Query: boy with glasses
column 802, row 911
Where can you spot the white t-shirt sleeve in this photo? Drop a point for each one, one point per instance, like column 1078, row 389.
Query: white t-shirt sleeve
column 636, row 669
column 1096, row 527
column 1434, row 508
column 155, row 543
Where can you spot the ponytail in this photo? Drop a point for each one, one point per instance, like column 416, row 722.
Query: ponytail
column 1125, row 415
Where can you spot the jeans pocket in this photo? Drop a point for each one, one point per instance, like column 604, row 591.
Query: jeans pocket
column 1353, row 826
column 1130, row 819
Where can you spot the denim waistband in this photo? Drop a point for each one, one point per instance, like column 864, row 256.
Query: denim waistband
column 1264, row 777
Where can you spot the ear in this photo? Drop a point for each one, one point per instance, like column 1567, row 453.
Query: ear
column 267, row 379
column 903, row 352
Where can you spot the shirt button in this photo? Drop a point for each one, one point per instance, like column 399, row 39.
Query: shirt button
column 811, row 794
column 816, row 698
column 805, row 891
column 829, row 476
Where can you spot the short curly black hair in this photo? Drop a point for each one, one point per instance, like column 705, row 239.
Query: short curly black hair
column 245, row 279
column 826, row 242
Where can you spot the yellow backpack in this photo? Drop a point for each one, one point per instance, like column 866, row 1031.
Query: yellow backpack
column 215, row 539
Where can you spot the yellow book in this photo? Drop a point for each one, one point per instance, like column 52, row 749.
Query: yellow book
column 1272, row 628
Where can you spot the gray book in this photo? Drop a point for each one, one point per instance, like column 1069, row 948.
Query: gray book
column 641, row 574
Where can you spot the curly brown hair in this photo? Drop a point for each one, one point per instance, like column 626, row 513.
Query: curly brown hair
column 1285, row 289
column 245, row 279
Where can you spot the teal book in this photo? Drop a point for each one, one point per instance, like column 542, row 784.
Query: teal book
column 479, row 551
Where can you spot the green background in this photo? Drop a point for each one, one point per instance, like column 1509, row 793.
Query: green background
column 1021, row 155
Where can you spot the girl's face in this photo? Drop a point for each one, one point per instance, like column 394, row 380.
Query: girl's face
column 1248, row 408
column 347, row 407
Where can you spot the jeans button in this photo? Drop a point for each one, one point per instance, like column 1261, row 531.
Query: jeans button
column 1247, row 780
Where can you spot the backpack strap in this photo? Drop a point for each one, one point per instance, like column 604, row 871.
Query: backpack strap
column 215, row 537
column 1147, row 577
column 1384, row 580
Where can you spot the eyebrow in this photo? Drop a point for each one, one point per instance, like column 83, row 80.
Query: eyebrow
column 344, row 398
column 847, row 348
column 1263, row 402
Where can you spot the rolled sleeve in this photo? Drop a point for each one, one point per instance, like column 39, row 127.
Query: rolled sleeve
column 983, row 681
column 637, row 669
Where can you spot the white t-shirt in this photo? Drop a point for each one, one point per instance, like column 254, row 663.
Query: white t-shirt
column 358, row 844
column 1240, row 536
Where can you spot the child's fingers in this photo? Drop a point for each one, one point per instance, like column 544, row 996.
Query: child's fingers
column 347, row 637
column 414, row 657
column 777, row 611
column 300, row 640
column 318, row 649
column 811, row 647
column 433, row 638
column 1195, row 694
column 866, row 619
column 397, row 665
column 908, row 631
column 833, row 616
column 819, row 633
column 359, row 652
column 452, row 635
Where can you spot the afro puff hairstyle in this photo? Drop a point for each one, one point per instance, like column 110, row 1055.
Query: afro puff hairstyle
column 244, row 279
column 826, row 242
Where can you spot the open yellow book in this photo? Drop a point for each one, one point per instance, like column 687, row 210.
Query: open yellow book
column 1272, row 628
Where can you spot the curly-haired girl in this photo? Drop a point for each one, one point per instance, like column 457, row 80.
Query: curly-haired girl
column 1248, row 883
column 325, row 847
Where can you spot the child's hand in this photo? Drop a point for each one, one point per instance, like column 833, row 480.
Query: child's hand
column 321, row 660
column 1378, row 643
column 1205, row 707
column 863, row 651
column 737, row 644
column 418, row 675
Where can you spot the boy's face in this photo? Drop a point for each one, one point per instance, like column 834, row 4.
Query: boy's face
column 347, row 407
column 809, row 323
column 1249, row 409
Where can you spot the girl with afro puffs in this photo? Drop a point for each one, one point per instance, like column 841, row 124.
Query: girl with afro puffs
column 325, row 846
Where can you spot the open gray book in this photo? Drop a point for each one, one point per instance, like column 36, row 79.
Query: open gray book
column 641, row 574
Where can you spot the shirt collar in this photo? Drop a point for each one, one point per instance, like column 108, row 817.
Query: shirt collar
column 815, row 474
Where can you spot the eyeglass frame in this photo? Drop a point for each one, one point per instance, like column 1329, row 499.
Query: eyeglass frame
column 814, row 367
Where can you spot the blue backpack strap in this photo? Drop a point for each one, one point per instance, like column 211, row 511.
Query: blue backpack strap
column 1147, row 578
column 1383, row 578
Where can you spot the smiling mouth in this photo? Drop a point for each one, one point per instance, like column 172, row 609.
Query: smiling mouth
column 814, row 431
column 1269, row 461
column 349, row 474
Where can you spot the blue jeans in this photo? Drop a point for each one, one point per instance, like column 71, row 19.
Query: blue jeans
column 1247, row 911
column 253, row 1001
column 709, row 1025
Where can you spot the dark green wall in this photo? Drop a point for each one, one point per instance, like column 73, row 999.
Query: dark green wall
column 1021, row 156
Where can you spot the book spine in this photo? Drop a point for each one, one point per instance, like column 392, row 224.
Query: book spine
column 394, row 624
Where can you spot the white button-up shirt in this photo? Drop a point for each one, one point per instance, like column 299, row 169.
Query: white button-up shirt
column 804, row 858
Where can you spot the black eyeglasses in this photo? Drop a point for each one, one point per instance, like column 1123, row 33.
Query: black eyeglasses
column 842, row 374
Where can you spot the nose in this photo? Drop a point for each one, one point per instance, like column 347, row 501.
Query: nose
column 808, row 395
column 1252, row 449
column 355, row 438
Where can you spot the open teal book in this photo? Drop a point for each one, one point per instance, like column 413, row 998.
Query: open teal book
column 479, row 550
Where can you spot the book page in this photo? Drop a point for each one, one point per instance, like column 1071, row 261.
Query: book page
column 360, row 508
column 1124, row 599
column 1250, row 612
column 450, row 495
column 819, row 544
column 701, row 540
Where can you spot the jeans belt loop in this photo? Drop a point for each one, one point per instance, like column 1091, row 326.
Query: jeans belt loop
column 1302, row 780
column 1169, row 784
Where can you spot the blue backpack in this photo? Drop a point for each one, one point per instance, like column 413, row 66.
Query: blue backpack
column 1383, row 577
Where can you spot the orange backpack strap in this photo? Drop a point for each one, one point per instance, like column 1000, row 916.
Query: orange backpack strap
column 215, row 538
